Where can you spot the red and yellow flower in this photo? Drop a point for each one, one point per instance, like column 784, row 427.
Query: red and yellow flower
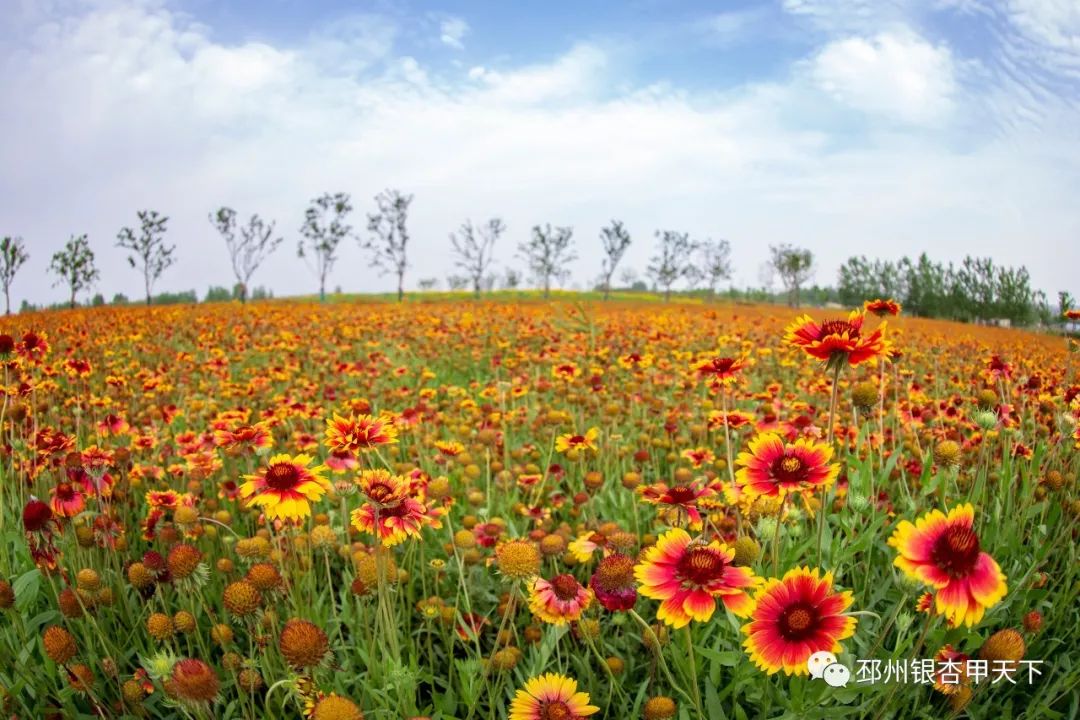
column 67, row 500
column 944, row 551
column 775, row 468
column 579, row 443
column 720, row 370
column 836, row 341
column 358, row 433
column 682, row 497
column 551, row 696
column 795, row 617
column 559, row 600
column 285, row 488
column 688, row 577
column 392, row 513
column 733, row 419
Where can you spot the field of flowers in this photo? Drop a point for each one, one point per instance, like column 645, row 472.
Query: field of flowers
column 535, row 511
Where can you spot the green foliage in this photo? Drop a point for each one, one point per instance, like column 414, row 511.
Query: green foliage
column 794, row 266
column 13, row 256
column 74, row 266
column 976, row 290
column 672, row 259
column 325, row 226
column 148, row 249
column 548, row 252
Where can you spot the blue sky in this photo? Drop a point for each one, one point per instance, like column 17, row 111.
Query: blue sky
column 880, row 127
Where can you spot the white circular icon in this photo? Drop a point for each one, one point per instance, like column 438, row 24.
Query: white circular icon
column 836, row 675
column 818, row 662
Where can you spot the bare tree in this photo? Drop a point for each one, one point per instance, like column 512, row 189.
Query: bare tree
column 548, row 252
column 457, row 282
column 794, row 266
column 474, row 247
column 428, row 283
column 616, row 240
column 324, row 228
column 150, row 253
column 713, row 264
column 13, row 256
column 255, row 244
column 75, row 266
column 389, row 236
column 672, row 260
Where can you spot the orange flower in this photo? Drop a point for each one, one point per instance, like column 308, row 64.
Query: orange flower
column 720, row 370
column 734, row 419
column 881, row 308
column 836, row 341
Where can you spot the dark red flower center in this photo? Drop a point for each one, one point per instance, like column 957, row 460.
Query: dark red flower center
column 577, row 439
column 65, row 492
column 556, row 710
column 680, row 495
column 565, row 587
column 956, row 551
column 789, row 469
column 700, row 565
column 282, row 476
column 798, row 621
column 839, row 327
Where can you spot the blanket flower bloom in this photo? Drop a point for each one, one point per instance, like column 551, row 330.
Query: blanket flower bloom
column 795, row 617
column 688, row 577
column 774, row 468
column 836, row 341
column 551, row 696
column 559, row 600
column 285, row 488
column 943, row 551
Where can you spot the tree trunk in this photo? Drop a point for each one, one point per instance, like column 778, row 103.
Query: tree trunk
column 72, row 298
column 147, row 282
column 607, row 287
column 7, row 299
column 400, row 286
column 547, row 287
column 243, row 293
column 322, row 289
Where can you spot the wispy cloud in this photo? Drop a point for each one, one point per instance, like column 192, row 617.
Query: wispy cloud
column 452, row 32
column 122, row 107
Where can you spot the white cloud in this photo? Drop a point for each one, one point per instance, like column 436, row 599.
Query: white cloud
column 120, row 109
column 896, row 74
column 452, row 32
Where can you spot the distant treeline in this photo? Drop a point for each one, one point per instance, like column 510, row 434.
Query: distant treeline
column 976, row 290
column 187, row 297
